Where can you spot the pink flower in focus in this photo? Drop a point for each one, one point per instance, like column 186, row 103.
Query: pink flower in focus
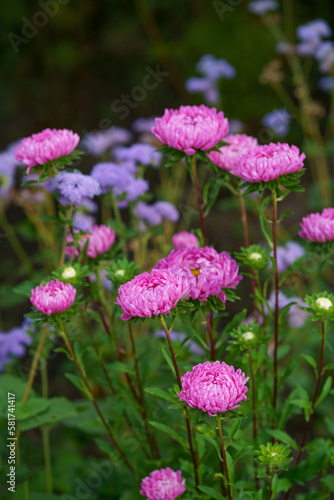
column 184, row 240
column 213, row 387
column 230, row 155
column 190, row 128
column 318, row 227
column 151, row 294
column 54, row 297
column 46, row 146
column 206, row 271
column 101, row 239
column 269, row 162
column 163, row 484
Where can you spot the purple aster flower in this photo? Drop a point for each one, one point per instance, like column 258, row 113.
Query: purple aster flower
column 133, row 190
column 13, row 344
column 7, row 174
column 285, row 48
column 236, row 127
column 97, row 143
column 83, row 222
column 75, row 187
column 326, row 65
column 308, row 48
column 110, row 176
column 179, row 337
column 261, row 7
column 148, row 213
column 214, row 68
column 278, row 120
column 326, row 84
column 316, row 29
column 143, row 125
column 144, row 154
column 296, row 317
column 196, row 84
column 288, row 254
column 324, row 49
column 167, row 210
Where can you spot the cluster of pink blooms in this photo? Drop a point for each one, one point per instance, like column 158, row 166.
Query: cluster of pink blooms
column 229, row 156
column 184, row 240
column 318, row 227
column 206, row 271
column 214, row 387
column 54, row 297
column 163, row 484
column 269, row 162
column 46, row 146
column 191, row 128
column 151, row 294
column 101, row 239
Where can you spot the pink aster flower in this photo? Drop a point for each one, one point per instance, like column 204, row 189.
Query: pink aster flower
column 269, row 162
column 54, row 297
column 206, row 271
column 46, row 146
column 101, row 239
column 163, row 484
column 214, row 387
column 151, row 294
column 184, row 240
column 190, row 128
column 318, row 227
column 229, row 156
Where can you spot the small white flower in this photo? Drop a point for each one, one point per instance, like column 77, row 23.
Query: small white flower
column 255, row 256
column 120, row 273
column 248, row 336
column 69, row 272
column 324, row 303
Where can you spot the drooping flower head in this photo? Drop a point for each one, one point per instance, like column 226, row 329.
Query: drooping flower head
column 269, row 162
column 152, row 294
column 190, row 128
column 184, row 240
column 206, row 271
column 101, row 239
column 46, row 146
column 214, row 387
column 229, row 156
column 75, row 187
column 318, row 227
column 54, row 297
column 163, row 484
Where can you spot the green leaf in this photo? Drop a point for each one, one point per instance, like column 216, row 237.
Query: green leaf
column 168, row 358
column 59, row 409
column 213, row 443
column 76, row 381
column 160, row 393
column 294, row 266
column 211, row 492
column 244, row 451
column 266, row 231
column 165, row 428
column 307, row 469
column 50, row 218
column 325, row 391
column 283, row 436
column 119, row 367
column 32, row 407
column 311, row 361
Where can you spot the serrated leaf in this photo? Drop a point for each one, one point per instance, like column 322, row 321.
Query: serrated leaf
column 32, row 407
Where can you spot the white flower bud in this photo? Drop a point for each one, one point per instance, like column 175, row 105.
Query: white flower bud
column 324, row 303
column 255, row 256
column 248, row 336
column 120, row 273
column 69, row 272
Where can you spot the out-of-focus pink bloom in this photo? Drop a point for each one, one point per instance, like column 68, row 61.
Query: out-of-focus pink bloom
column 163, row 484
column 229, row 156
column 206, row 271
column 269, row 162
column 151, row 294
column 101, row 239
column 191, row 128
column 54, row 297
column 318, row 227
column 184, row 240
column 46, row 146
column 214, row 387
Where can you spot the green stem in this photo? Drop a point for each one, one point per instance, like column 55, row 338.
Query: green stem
column 45, row 430
column 15, row 242
column 66, row 232
column 199, row 197
column 177, row 372
column 276, row 278
column 270, row 486
column 227, row 476
column 33, row 368
column 96, row 406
